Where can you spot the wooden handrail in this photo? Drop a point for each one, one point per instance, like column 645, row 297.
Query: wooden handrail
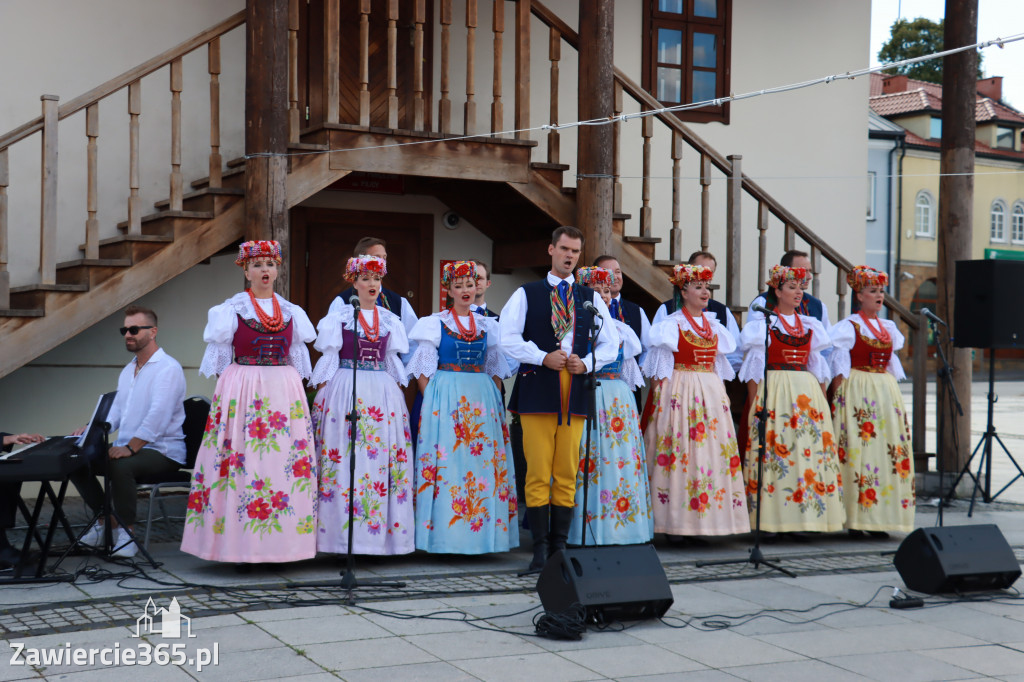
column 132, row 75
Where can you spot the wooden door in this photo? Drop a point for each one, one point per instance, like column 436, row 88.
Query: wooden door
column 311, row 61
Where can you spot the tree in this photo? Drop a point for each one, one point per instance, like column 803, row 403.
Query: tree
column 911, row 38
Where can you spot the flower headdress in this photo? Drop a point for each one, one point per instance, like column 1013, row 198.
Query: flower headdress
column 457, row 270
column 591, row 275
column 780, row 274
column 258, row 249
column 684, row 273
column 863, row 276
column 357, row 265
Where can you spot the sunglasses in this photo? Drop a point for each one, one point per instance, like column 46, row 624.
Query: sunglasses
column 133, row 330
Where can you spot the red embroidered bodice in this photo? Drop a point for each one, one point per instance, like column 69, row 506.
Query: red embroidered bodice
column 869, row 355
column 695, row 354
column 789, row 352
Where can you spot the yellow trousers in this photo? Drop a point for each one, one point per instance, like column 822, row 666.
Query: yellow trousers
column 552, row 451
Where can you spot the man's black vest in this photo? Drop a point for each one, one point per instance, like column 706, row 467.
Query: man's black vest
column 537, row 389
column 386, row 299
column 631, row 313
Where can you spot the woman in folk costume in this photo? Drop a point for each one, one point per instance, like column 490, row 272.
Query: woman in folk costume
column 383, row 506
column 253, row 494
column 871, row 421
column 802, row 486
column 694, row 463
column 465, row 486
column 618, row 500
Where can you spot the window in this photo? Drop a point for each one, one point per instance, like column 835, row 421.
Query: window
column 1004, row 137
column 1017, row 224
column 872, row 177
column 936, row 129
column 686, row 54
column 924, row 215
column 997, row 222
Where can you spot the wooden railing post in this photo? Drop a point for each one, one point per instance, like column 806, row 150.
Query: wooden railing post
column 816, row 270
column 444, row 104
column 617, row 149
column 216, row 162
column 134, row 200
column 789, row 238
column 522, row 104
column 498, row 28
column 733, row 202
column 418, row 112
column 762, row 245
column 392, row 64
column 919, row 369
column 294, row 120
column 48, row 199
column 364, row 61
column 469, row 111
column 705, row 201
column 554, row 56
column 647, row 130
column 841, row 289
column 177, row 184
column 92, row 224
column 5, row 276
column 675, row 234
column 332, row 57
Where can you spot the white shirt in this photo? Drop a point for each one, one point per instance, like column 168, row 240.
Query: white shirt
column 407, row 315
column 150, row 406
column 513, row 321
column 645, row 324
column 736, row 356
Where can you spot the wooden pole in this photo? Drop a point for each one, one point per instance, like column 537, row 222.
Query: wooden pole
column 5, row 276
column 92, row 223
column 176, row 182
column 266, row 132
column 134, row 172
column 48, row 195
column 733, row 204
column 596, row 99
column 522, row 116
column 216, row 162
column 956, row 201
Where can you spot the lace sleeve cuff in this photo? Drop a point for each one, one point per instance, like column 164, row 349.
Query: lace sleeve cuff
column 298, row 357
column 659, row 363
column 631, row 373
column 723, row 368
column 326, row 368
column 752, row 368
column 839, row 361
column 423, row 361
column 396, row 370
column 817, row 366
column 216, row 359
column 495, row 363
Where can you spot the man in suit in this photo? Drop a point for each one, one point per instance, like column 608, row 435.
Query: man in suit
column 483, row 283
column 544, row 327
column 620, row 308
column 809, row 305
column 9, row 493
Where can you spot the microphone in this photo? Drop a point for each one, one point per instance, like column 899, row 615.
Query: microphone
column 353, row 301
column 764, row 311
column 932, row 316
column 590, row 307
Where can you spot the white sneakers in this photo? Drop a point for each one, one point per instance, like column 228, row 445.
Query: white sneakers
column 124, row 545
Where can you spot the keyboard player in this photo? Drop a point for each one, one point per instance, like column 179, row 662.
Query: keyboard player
column 9, row 493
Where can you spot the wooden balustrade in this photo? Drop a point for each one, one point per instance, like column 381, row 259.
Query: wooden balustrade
column 554, row 56
column 841, row 288
column 762, row 246
column 48, row 201
column 469, row 110
column 332, row 59
column 213, row 67
column 705, row 202
column 498, row 29
column 815, row 271
column 675, row 233
column 177, row 183
column 364, row 62
column 392, row 108
column 92, row 223
column 733, row 203
column 444, row 104
column 294, row 119
column 647, row 132
column 134, row 173
column 5, row 276
column 419, row 18
column 524, row 15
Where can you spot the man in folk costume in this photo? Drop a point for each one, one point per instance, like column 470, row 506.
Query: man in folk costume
column 545, row 327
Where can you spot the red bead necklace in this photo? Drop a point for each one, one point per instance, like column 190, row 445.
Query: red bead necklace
column 272, row 323
column 464, row 333
column 880, row 333
column 705, row 331
column 797, row 329
column 372, row 332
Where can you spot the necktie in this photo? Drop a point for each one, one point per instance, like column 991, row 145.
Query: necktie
column 614, row 309
column 563, row 290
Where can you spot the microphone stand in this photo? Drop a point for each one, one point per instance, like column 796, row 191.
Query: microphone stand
column 955, row 408
column 591, row 387
column 756, row 557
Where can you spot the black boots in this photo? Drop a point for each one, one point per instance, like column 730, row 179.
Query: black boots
column 539, row 518
column 561, row 520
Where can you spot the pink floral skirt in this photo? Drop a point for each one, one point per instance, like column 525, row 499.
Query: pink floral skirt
column 253, row 494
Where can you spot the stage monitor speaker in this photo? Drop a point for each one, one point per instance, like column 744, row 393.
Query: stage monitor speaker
column 988, row 309
column 956, row 559
column 611, row 583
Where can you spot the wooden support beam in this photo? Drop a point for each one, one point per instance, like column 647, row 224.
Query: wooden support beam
column 675, row 235
column 294, row 119
column 364, row 63
column 134, row 172
column 521, row 254
column 419, row 111
column 469, row 110
column 92, row 223
column 267, row 134
column 177, row 183
column 5, row 276
column 705, row 201
column 48, row 198
column 392, row 54
column 216, row 162
column 498, row 29
column 444, row 104
column 647, row 131
column 763, row 213
column 554, row 56
column 841, row 290
column 332, row 59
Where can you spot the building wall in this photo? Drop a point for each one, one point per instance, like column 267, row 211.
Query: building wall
column 881, row 228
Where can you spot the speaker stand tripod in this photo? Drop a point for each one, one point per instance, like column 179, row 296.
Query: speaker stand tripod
column 986, row 455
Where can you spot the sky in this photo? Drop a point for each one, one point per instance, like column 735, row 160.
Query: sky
column 996, row 18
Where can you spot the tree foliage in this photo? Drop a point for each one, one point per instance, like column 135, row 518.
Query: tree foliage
column 911, row 38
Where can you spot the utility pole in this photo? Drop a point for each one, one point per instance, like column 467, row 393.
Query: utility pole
column 956, row 208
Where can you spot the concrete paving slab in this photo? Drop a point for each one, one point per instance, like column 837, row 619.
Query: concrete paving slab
column 418, row 626
column 539, row 667
column 994, row 629
column 269, row 615
column 261, row 664
column 367, row 653
column 626, row 660
column 794, row 671
column 726, row 649
column 418, row 672
column 474, row 644
column 168, row 673
column 827, row 641
column 695, row 676
column 991, row 660
column 307, row 631
column 905, row 666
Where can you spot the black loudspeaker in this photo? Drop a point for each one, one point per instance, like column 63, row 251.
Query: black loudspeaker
column 611, row 583
column 988, row 309
column 956, row 559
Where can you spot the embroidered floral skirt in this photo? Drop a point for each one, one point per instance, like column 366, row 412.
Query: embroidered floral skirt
column 875, row 453
column 618, row 498
column 383, row 486
column 253, row 493
column 692, row 458
column 465, row 485
column 802, row 487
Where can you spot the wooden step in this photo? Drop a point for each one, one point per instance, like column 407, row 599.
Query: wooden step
column 89, row 271
column 166, row 222
column 233, row 177
column 135, row 247
column 645, row 245
column 34, row 296
column 20, row 312
column 553, row 172
column 210, row 199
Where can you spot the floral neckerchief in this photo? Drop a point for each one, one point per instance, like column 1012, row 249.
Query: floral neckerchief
column 562, row 312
